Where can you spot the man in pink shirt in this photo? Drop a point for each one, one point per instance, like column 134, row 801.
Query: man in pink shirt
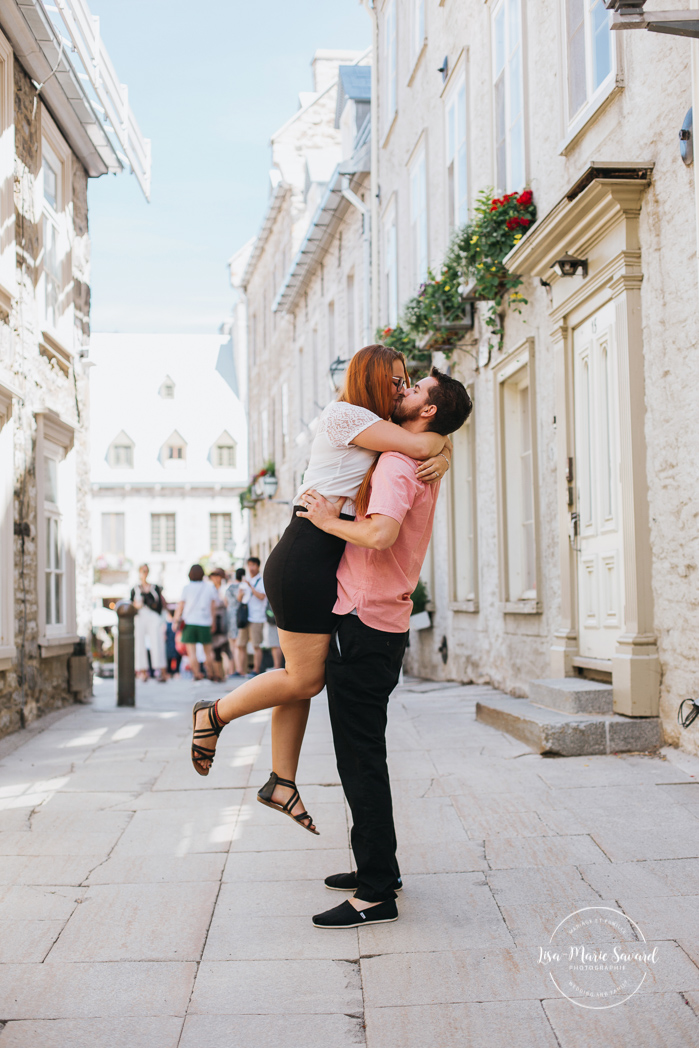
column 378, row 572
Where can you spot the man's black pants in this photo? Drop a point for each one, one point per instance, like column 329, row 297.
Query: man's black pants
column 361, row 671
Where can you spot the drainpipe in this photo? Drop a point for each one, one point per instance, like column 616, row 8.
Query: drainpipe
column 365, row 212
column 371, row 10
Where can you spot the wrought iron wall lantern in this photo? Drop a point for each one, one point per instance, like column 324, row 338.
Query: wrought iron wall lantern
column 687, row 139
column 568, row 265
column 337, row 372
column 270, row 483
column 629, row 14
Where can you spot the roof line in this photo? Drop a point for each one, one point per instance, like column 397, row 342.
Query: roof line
column 321, row 94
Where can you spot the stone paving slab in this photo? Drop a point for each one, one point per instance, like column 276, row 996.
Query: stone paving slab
column 275, row 987
column 84, row 990
column 658, row 1020
column 138, row 922
column 144, row 1032
column 272, row 1031
column 142, row 904
column 500, row 1025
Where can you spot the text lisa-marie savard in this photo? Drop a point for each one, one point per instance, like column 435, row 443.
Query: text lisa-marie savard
column 584, row 955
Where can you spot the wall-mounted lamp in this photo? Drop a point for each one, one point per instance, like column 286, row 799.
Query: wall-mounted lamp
column 568, row 265
column 444, row 68
column 337, row 372
column 269, row 485
column 687, row 139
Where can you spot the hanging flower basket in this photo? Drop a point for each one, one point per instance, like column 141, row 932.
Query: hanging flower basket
column 473, row 271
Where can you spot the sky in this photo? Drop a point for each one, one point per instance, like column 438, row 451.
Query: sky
column 209, row 83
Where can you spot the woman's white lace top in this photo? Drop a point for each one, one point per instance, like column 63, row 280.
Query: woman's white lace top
column 337, row 467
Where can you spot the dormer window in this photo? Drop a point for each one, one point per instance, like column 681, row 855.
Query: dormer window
column 120, row 454
column 174, row 451
column 167, row 389
column 223, row 453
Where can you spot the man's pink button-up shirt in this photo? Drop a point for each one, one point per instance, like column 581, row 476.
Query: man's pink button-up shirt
column 378, row 583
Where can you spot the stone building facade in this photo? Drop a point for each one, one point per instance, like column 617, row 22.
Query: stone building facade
column 565, row 543
column 305, row 290
column 51, row 142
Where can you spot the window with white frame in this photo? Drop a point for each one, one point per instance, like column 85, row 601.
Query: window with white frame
column 390, row 65
column 508, row 95
column 264, row 434
column 51, row 172
column 285, row 416
column 56, row 530
column 331, row 331
column 391, row 266
column 223, row 453
column 517, row 472
column 418, row 218
column 457, row 180
column 54, row 565
column 53, row 188
column 417, row 29
column 351, row 314
column 113, row 532
column 167, row 389
column 7, row 589
column 463, row 508
column 162, row 533
column 589, row 53
column 120, row 454
column 174, row 451
column 220, row 530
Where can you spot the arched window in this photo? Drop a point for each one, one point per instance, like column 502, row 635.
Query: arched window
column 223, row 453
column 120, row 454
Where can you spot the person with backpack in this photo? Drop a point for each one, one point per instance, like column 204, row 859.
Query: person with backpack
column 252, row 613
column 149, row 627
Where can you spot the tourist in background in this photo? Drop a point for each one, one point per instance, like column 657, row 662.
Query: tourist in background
column 149, row 627
column 219, row 640
column 252, row 593
column 197, row 610
column 239, row 656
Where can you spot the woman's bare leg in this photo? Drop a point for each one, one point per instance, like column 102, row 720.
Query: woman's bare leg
column 193, row 660
column 288, row 690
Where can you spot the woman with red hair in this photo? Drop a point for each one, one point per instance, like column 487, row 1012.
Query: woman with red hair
column 300, row 574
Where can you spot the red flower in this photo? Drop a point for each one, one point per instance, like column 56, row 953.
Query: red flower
column 525, row 199
column 495, row 204
column 513, row 222
column 388, row 331
column 525, row 222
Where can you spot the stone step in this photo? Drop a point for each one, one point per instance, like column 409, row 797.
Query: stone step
column 565, row 735
column 572, row 695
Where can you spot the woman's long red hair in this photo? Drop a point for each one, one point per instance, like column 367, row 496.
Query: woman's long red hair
column 369, row 384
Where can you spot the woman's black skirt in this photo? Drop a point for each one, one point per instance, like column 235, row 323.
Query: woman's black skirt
column 301, row 577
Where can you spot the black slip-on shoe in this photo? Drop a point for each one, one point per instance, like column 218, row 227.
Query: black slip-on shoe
column 347, row 882
column 345, row 915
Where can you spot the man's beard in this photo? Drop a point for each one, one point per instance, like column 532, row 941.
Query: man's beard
column 404, row 412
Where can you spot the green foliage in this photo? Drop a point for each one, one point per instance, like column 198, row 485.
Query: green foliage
column 473, row 263
column 420, row 598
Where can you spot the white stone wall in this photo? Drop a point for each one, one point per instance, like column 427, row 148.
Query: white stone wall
column 309, row 141
column 638, row 123
column 36, row 680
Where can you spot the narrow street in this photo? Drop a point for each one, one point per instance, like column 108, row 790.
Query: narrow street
column 143, row 906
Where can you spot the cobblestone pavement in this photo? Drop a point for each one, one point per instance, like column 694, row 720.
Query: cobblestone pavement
column 142, row 906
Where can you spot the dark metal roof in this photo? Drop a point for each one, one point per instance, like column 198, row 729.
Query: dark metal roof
column 353, row 84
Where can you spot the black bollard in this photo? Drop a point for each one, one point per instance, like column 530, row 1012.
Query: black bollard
column 126, row 661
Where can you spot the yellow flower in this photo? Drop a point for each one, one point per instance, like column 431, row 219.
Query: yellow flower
column 446, row 288
column 518, row 237
column 473, row 240
column 479, row 265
